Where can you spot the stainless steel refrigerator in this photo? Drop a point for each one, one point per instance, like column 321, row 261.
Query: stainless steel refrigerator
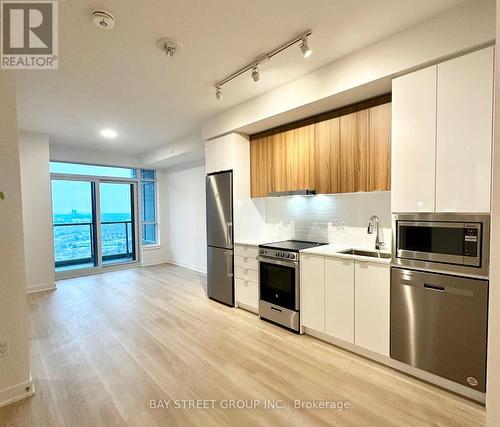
column 220, row 286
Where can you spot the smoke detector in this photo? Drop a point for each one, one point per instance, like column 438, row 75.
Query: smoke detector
column 169, row 46
column 103, row 19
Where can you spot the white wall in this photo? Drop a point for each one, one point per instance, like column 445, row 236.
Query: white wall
column 183, row 231
column 15, row 368
column 493, row 379
column 37, row 211
column 470, row 25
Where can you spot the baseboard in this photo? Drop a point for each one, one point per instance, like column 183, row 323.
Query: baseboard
column 17, row 392
column 151, row 263
column 42, row 287
column 196, row 268
column 402, row 367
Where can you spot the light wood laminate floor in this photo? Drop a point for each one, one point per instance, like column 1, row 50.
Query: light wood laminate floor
column 103, row 346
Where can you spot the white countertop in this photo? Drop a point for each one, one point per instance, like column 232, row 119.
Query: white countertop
column 251, row 242
column 333, row 249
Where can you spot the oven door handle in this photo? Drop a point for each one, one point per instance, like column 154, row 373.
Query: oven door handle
column 294, row 264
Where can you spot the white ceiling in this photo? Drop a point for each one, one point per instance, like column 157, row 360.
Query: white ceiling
column 120, row 79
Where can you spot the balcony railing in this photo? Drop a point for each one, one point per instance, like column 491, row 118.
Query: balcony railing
column 75, row 243
column 110, row 251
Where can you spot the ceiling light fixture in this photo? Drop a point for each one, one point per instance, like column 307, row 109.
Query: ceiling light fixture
column 169, row 46
column 255, row 73
column 109, row 133
column 218, row 92
column 304, row 47
column 254, row 65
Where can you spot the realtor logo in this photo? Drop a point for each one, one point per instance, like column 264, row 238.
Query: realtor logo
column 29, row 38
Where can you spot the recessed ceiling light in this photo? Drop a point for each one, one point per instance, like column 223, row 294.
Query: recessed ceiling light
column 109, row 133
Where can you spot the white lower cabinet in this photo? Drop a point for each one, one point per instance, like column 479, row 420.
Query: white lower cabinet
column 371, row 308
column 313, row 292
column 347, row 299
column 246, row 273
column 339, row 298
column 247, row 293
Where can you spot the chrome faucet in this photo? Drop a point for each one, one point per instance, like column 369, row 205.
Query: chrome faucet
column 379, row 243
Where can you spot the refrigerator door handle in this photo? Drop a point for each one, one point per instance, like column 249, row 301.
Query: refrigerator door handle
column 229, row 264
column 230, row 233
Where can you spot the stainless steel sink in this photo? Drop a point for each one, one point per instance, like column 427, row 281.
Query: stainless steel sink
column 372, row 254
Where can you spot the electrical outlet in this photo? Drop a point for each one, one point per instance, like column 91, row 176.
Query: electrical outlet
column 4, row 351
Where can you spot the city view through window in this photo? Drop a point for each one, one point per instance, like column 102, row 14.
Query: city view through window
column 75, row 233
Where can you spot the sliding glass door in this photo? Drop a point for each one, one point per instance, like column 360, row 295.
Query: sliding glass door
column 117, row 222
column 95, row 224
column 73, row 206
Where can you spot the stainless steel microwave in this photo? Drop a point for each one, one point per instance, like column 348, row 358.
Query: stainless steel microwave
column 450, row 242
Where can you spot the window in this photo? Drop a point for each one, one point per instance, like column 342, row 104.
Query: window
column 149, row 220
column 93, row 170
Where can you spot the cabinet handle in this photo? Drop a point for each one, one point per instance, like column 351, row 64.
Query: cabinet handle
column 434, row 288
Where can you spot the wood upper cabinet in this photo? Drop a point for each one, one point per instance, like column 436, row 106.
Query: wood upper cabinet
column 328, row 156
column 348, row 152
column 261, row 162
column 300, row 158
column 354, row 152
column 283, row 161
column 379, row 148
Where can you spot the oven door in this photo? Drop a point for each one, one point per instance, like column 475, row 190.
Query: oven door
column 279, row 282
column 441, row 242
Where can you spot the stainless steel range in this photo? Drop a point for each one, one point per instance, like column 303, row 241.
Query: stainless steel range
column 279, row 274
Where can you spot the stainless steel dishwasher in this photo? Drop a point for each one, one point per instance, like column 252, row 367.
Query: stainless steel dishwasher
column 439, row 324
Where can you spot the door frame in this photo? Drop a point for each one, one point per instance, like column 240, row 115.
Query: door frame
column 96, row 181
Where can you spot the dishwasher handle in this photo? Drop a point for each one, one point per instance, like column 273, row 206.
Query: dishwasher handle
column 434, row 288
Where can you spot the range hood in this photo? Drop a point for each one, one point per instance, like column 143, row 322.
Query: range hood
column 306, row 192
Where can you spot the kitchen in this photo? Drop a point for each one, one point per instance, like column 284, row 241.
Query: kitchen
column 368, row 226
column 251, row 215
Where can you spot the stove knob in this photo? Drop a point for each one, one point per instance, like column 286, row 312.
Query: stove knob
column 287, row 256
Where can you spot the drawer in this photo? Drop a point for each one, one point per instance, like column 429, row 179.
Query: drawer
column 247, row 293
column 246, row 274
column 246, row 251
column 246, row 262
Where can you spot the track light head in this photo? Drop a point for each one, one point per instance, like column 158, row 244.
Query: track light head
column 304, row 47
column 218, row 92
column 255, row 73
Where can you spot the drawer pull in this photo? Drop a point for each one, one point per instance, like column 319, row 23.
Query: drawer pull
column 276, row 309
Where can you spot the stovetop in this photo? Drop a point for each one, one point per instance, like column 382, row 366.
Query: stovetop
column 291, row 245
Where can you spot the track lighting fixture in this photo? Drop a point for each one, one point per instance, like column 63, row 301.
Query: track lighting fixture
column 304, row 47
column 302, row 39
column 255, row 73
column 218, row 92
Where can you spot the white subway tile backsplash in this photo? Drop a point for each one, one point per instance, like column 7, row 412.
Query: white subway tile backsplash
column 336, row 218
